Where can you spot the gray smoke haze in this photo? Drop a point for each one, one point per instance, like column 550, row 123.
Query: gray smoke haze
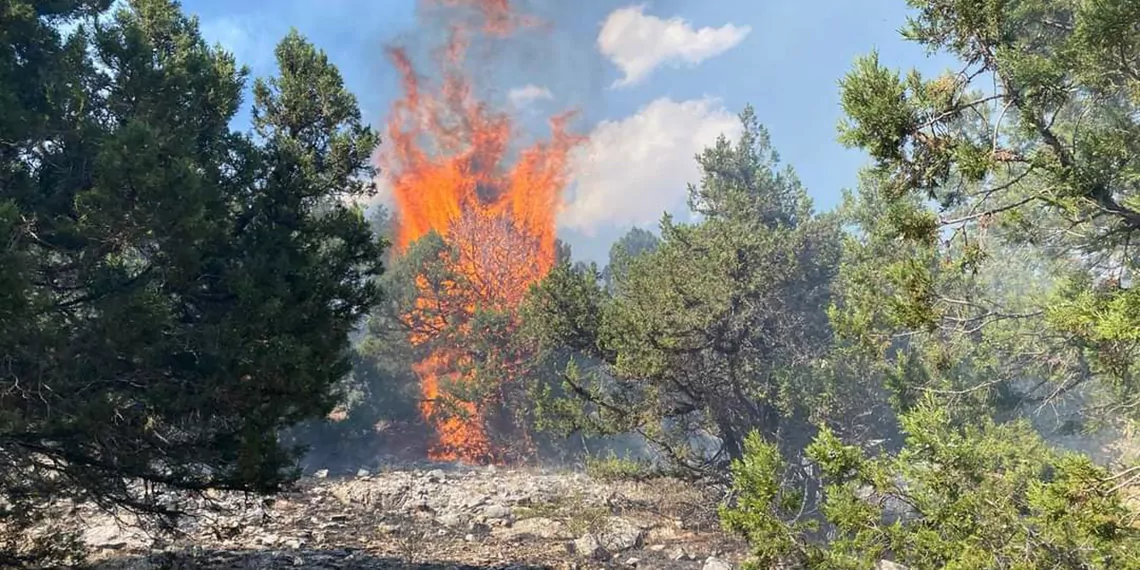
column 559, row 55
column 636, row 162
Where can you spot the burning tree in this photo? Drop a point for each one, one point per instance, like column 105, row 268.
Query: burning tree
column 450, row 167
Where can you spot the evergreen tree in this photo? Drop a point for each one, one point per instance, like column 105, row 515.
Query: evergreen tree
column 1031, row 146
column 635, row 242
column 172, row 293
column 719, row 329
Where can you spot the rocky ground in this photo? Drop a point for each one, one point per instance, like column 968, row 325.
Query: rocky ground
column 476, row 518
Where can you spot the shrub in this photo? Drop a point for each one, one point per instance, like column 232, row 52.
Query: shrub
column 613, row 468
column 956, row 496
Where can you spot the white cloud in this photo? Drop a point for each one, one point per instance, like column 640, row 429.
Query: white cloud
column 243, row 38
column 639, row 43
column 632, row 170
column 523, row 96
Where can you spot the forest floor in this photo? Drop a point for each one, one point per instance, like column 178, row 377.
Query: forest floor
column 435, row 518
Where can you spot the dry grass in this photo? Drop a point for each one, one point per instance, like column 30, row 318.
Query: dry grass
column 691, row 506
column 656, row 500
column 581, row 516
column 411, row 542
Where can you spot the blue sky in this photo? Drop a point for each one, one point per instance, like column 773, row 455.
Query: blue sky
column 689, row 66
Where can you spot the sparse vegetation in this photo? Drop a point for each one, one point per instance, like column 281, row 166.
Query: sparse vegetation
column 412, row 540
column 582, row 518
column 611, row 467
column 579, row 512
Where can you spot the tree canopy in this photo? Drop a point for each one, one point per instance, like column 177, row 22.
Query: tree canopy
column 1031, row 147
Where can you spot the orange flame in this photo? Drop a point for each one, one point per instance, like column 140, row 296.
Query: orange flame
column 446, row 163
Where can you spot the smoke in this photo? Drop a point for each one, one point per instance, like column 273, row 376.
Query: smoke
column 553, row 48
column 661, row 138
column 553, row 61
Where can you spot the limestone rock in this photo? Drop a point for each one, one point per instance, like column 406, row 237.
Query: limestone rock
column 589, row 547
column 468, row 515
column 497, row 512
column 540, row 527
column 619, row 534
column 108, row 534
column 888, row 565
column 473, row 501
column 451, row 519
column 714, row 563
column 268, row 539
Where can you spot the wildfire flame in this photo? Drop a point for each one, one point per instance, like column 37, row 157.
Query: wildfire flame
column 447, row 164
